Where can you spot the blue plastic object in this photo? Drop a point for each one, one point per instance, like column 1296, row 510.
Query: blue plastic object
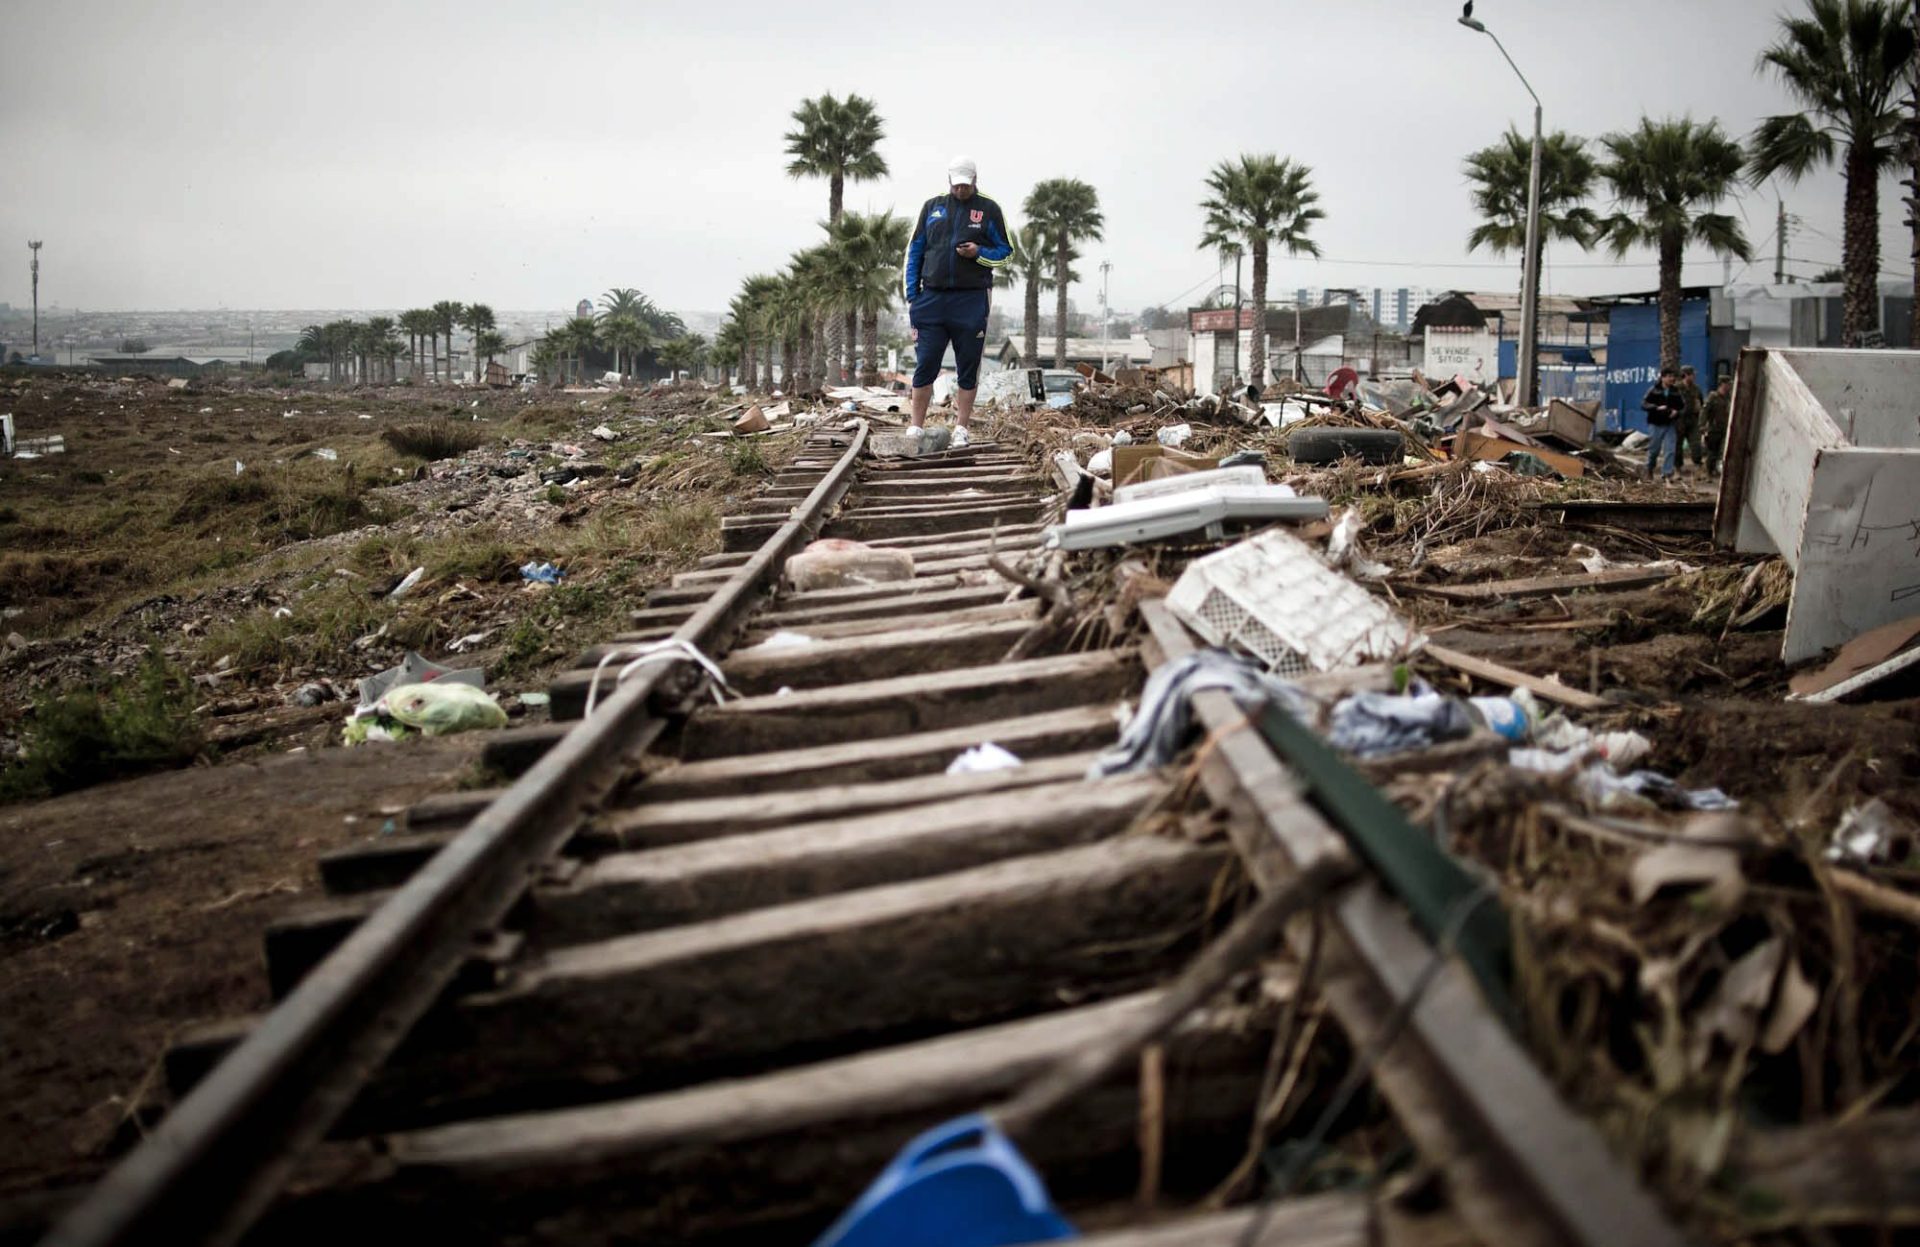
column 961, row 1184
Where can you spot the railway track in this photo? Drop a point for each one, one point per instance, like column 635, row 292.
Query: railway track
column 702, row 967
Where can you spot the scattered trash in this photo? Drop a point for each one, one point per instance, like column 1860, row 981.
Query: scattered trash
column 541, row 573
column 438, row 709
column 1343, row 548
column 982, row 758
column 472, row 640
column 406, row 584
column 833, row 563
column 177, row 383
column 1208, row 508
column 311, row 694
column 331, row 456
column 1370, row 724
column 1873, row 834
column 1174, row 435
column 238, row 467
column 413, row 669
column 605, row 434
column 536, row 699
column 1159, row 728
column 1861, row 663
column 282, row 612
column 753, row 421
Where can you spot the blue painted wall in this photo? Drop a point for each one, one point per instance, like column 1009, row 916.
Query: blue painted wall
column 1633, row 357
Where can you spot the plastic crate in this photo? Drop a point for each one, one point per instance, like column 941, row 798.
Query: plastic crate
column 1272, row 597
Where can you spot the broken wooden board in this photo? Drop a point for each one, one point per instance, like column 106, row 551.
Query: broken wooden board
column 1540, row 686
column 1546, row 586
column 1474, row 444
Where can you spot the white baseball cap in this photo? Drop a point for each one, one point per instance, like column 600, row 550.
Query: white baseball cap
column 960, row 171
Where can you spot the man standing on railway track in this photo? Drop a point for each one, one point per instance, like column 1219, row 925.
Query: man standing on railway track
column 959, row 239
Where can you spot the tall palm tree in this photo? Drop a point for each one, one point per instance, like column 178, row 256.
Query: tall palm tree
column 1666, row 176
column 1259, row 202
column 487, row 344
column 749, row 310
column 626, row 337
column 577, row 337
column 476, row 319
column 1068, row 210
column 446, row 314
column 1032, row 266
column 413, row 322
column 836, row 140
column 728, row 346
column 381, row 344
column 1500, row 176
column 1844, row 64
column 624, row 301
column 869, row 249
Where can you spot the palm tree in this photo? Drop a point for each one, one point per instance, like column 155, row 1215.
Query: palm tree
column 836, row 140
column 867, row 249
column 1032, row 265
column 624, row 301
column 1844, row 64
column 728, row 345
column 1665, row 177
column 1068, row 210
column 476, row 319
column 577, row 337
column 487, row 344
column 1500, row 175
column 415, row 323
column 446, row 315
column 696, row 348
column 749, row 310
column 626, row 337
column 381, row 344
column 1258, row 202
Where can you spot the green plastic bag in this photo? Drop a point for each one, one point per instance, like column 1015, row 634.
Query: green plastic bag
column 438, row 709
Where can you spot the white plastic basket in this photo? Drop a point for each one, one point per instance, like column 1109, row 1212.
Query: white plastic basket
column 1272, row 597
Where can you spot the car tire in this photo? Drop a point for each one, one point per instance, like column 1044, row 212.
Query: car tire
column 1330, row 445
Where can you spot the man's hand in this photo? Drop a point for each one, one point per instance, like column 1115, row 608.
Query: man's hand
column 913, row 335
column 968, row 250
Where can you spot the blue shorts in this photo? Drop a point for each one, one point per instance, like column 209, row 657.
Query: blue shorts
column 949, row 317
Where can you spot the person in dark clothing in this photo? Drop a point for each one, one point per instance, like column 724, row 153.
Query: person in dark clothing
column 959, row 239
column 1714, row 416
column 1686, row 430
column 1664, row 404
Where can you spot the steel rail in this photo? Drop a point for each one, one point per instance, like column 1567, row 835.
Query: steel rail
column 1523, row 1167
column 218, row 1159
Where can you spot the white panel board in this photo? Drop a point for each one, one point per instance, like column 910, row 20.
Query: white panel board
column 1790, row 431
column 1859, row 557
column 1872, row 397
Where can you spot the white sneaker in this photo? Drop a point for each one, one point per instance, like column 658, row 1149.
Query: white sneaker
column 959, row 437
column 912, row 433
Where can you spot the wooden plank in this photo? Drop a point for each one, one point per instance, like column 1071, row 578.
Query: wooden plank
column 1860, row 1172
column 513, row 751
column 1521, row 1167
column 1540, row 686
column 774, row 1158
column 1738, row 452
column 908, row 603
column 907, row 704
column 883, row 655
column 858, row 527
column 656, row 824
column 627, row 892
column 1026, row 736
column 1546, row 586
column 1476, row 444
column 1008, row 536
column 777, row 987
column 1022, row 608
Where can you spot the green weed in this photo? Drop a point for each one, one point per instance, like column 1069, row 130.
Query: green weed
column 435, row 439
column 90, row 736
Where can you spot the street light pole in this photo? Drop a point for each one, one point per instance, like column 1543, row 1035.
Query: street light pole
column 1530, row 270
column 35, row 247
column 1106, row 314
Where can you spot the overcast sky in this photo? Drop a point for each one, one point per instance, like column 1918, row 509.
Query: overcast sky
column 264, row 154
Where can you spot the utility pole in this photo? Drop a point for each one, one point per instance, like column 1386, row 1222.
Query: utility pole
column 1530, row 295
column 1780, row 245
column 1106, row 314
column 35, row 247
column 1237, row 314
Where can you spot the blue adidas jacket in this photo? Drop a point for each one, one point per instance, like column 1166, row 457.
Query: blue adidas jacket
column 944, row 223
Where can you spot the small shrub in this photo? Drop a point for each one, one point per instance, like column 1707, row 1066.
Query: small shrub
column 745, row 459
column 556, row 496
column 434, row 439
column 91, row 736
